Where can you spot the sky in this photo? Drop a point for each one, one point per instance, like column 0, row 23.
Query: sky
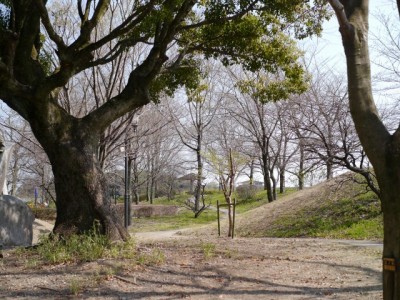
column 329, row 50
column 329, row 45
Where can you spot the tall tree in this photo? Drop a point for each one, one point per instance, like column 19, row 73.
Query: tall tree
column 258, row 116
column 381, row 146
column 331, row 135
column 242, row 32
column 225, row 162
column 194, row 120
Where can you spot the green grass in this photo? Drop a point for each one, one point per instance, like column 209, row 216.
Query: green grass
column 85, row 248
column 185, row 218
column 346, row 218
column 260, row 199
column 81, row 248
column 208, row 250
column 357, row 218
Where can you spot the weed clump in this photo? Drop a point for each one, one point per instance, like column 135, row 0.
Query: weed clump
column 82, row 248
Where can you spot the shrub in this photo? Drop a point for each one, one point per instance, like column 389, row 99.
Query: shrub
column 140, row 211
column 44, row 213
column 247, row 192
column 80, row 248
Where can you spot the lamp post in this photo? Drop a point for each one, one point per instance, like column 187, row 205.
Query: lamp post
column 127, row 179
column 135, row 124
column 127, row 207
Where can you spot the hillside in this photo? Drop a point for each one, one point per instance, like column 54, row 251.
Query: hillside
column 338, row 208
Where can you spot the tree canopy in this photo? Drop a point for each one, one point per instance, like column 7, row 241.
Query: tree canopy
column 45, row 45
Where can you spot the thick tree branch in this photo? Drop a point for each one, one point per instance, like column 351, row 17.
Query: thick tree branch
column 340, row 12
column 88, row 26
column 15, row 94
column 84, row 15
column 49, row 28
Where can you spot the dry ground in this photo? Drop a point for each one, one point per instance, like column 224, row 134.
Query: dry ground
column 200, row 265
column 207, row 267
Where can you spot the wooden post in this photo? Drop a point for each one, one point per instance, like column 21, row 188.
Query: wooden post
column 233, row 221
column 219, row 226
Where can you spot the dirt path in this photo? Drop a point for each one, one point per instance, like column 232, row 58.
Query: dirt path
column 185, row 264
column 199, row 267
column 159, row 235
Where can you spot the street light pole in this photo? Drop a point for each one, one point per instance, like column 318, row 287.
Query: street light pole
column 127, row 206
column 126, row 196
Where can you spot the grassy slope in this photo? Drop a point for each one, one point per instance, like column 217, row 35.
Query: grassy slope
column 338, row 208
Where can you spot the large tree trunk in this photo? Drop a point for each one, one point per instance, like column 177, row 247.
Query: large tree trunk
column 390, row 197
column 382, row 148
column 81, row 187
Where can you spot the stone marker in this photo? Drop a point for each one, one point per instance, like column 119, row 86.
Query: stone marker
column 16, row 218
column 16, row 222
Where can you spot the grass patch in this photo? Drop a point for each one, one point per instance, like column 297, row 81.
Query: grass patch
column 371, row 229
column 356, row 218
column 155, row 257
column 76, row 248
column 347, row 218
column 258, row 200
column 185, row 218
column 208, row 250
column 44, row 213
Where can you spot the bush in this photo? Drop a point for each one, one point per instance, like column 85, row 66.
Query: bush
column 44, row 213
column 247, row 192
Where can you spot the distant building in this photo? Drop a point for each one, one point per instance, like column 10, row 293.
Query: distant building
column 258, row 184
column 186, row 182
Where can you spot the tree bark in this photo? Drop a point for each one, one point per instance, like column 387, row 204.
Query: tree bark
column 273, row 179
column 81, row 187
column 301, row 166
column 230, row 217
column 199, row 182
column 251, row 175
column 382, row 148
column 135, row 182
column 267, row 178
column 329, row 168
column 282, row 180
